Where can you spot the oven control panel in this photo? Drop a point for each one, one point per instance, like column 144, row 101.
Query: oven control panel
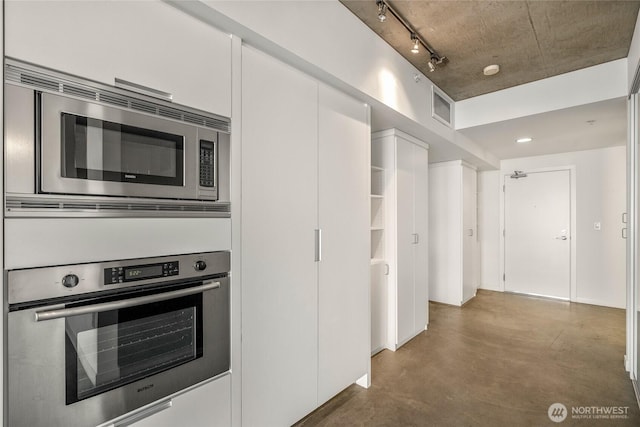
column 126, row 274
column 62, row 281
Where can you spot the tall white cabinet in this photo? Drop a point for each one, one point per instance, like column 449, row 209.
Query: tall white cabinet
column 454, row 249
column 305, row 241
column 404, row 160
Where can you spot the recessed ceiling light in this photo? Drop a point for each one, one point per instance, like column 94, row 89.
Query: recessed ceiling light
column 490, row 70
column 524, row 140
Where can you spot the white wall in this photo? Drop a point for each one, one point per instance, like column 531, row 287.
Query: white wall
column 327, row 41
column 600, row 197
column 633, row 57
column 489, row 187
column 585, row 86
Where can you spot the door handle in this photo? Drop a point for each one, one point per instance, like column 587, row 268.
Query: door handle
column 416, row 238
column 145, row 90
column 470, row 232
column 624, row 217
column 624, row 233
column 146, row 413
column 561, row 238
column 318, row 256
column 117, row 305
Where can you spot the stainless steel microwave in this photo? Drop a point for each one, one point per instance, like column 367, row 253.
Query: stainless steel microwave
column 67, row 137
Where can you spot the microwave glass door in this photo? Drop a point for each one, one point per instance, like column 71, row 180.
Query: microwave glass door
column 109, row 349
column 101, row 150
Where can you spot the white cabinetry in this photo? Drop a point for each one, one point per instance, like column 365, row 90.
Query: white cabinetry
column 405, row 160
column 149, row 43
column 305, row 242
column 454, row 250
column 379, row 266
column 208, row 405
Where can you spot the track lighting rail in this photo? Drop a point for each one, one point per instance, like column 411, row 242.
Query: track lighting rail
column 435, row 59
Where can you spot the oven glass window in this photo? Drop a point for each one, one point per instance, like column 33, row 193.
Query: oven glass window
column 109, row 349
column 105, row 151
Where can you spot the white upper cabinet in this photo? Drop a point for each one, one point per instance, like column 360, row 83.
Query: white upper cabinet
column 149, row 43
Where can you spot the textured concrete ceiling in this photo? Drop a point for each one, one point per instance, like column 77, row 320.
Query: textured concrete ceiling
column 530, row 40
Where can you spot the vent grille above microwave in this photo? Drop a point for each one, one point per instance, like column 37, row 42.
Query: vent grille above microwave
column 45, row 80
column 26, row 206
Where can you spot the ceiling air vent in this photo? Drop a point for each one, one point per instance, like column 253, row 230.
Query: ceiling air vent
column 441, row 107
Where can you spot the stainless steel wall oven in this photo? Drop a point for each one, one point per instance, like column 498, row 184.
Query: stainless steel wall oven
column 78, row 145
column 90, row 342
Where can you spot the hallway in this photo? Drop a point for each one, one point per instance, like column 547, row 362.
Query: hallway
column 502, row 360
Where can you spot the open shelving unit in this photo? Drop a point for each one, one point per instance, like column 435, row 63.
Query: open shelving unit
column 377, row 214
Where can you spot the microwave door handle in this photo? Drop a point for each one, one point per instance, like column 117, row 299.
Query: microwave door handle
column 116, row 305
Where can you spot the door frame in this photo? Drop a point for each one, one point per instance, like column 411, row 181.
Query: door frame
column 572, row 215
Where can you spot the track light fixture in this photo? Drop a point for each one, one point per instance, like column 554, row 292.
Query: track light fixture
column 416, row 40
column 416, row 44
column 382, row 10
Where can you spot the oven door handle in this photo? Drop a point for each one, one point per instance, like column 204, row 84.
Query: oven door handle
column 115, row 305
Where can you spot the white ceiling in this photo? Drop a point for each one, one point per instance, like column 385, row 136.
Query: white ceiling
column 557, row 131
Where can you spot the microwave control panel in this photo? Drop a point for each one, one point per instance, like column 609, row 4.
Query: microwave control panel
column 207, row 163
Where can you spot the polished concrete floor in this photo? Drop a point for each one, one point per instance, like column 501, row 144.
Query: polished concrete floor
column 501, row 360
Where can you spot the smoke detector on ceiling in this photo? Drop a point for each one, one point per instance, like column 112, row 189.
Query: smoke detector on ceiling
column 490, row 70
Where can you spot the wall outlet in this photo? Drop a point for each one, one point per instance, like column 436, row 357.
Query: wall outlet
column 596, row 226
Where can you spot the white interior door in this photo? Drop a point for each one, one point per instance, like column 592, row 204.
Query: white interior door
column 538, row 234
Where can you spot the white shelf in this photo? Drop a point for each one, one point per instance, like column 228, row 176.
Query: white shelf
column 377, row 196
column 377, row 228
column 377, row 168
column 375, row 261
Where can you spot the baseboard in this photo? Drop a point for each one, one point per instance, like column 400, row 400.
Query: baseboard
column 637, row 390
column 599, row 303
column 491, row 288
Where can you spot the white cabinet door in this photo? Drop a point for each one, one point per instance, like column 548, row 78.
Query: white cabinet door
column 421, row 248
column 279, row 215
column 344, row 217
column 469, row 234
column 413, row 255
column 406, row 241
column 205, row 406
column 145, row 42
column 379, row 301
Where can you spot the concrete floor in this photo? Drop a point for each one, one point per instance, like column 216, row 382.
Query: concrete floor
column 502, row 360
